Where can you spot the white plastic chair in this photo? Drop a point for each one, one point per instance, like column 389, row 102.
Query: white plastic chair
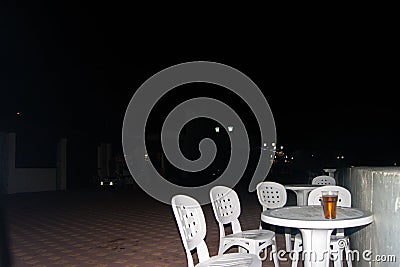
column 226, row 207
column 192, row 228
column 324, row 180
column 339, row 241
column 272, row 195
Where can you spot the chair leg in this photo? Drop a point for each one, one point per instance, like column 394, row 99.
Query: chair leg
column 221, row 247
column 348, row 256
column 253, row 247
column 274, row 252
column 338, row 258
column 288, row 242
column 338, row 262
column 297, row 248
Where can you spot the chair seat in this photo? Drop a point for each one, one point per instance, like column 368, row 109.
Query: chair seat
column 260, row 235
column 226, row 206
column 343, row 241
column 232, row 260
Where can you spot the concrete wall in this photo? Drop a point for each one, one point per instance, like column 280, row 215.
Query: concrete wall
column 19, row 180
column 32, row 180
column 376, row 189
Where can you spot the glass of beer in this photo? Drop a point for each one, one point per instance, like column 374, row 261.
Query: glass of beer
column 329, row 203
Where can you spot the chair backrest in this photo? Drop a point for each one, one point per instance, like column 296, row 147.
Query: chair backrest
column 324, row 180
column 192, row 226
column 344, row 198
column 271, row 195
column 226, row 207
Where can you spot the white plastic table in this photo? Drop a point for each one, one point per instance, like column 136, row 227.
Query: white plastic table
column 315, row 229
column 302, row 191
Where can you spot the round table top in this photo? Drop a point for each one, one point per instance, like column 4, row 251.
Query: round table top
column 312, row 217
column 302, row 186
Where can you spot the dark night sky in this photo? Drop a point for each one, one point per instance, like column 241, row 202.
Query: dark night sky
column 71, row 71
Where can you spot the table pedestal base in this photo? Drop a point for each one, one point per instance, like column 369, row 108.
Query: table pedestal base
column 316, row 247
column 302, row 198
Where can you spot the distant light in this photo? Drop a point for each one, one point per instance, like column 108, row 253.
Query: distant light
column 338, row 157
column 265, row 144
column 395, row 164
column 101, row 183
column 281, row 147
column 111, row 183
column 230, row 128
column 312, row 155
column 146, row 156
column 292, row 158
column 273, row 144
column 18, row 113
column 217, row 129
column 342, row 157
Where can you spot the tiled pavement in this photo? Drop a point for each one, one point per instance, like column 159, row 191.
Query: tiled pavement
column 104, row 228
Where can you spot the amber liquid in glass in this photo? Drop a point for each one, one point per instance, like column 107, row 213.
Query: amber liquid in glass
column 329, row 203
